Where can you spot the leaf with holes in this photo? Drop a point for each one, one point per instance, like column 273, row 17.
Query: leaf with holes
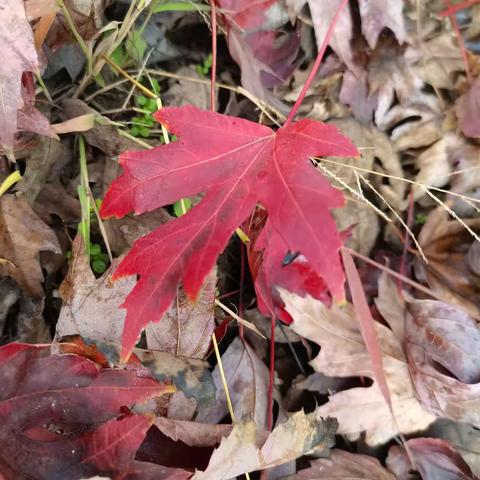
column 236, row 163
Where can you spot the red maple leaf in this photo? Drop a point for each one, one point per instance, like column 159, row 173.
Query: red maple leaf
column 58, row 416
column 236, row 163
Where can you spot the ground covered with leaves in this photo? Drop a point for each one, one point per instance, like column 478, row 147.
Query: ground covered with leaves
column 240, row 239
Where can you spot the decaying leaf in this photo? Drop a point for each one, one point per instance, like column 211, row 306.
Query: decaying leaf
column 186, row 328
column 241, row 452
column 345, row 465
column 247, row 380
column 46, row 398
column 22, row 237
column 434, row 459
column 442, row 343
column 343, row 354
column 91, row 306
column 190, row 375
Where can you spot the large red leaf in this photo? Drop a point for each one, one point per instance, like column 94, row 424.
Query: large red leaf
column 52, row 408
column 236, row 163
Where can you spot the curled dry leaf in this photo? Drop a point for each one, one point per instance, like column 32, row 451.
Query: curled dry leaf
column 436, row 60
column 45, row 398
column 345, row 465
column 343, row 354
column 442, row 343
column 247, row 380
column 91, row 306
column 242, row 452
column 463, row 437
column 445, row 243
column 433, row 458
column 22, row 237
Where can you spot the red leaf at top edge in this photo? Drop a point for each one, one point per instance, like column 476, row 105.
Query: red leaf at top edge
column 237, row 163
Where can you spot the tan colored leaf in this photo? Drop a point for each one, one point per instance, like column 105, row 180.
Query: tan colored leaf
column 390, row 304
column 186, row 328
column 445, row 243
column 194, row 434
column 343, row 354
column 436, row 60
column 240, row 453
column 434, row 163
column 345, row 465
column 91, row 306
column 22, row 237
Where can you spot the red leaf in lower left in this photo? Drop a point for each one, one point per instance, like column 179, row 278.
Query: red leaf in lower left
column 58, row 415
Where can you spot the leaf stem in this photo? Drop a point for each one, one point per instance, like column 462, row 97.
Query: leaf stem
column 317, row 63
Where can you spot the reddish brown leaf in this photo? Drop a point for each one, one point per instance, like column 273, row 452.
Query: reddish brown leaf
column 265, row 54
column 434, row 459
column 22, row 237
column 238, row 163
column 67, row 396
column 345, row 465
column 468, row 110
column 442, row 343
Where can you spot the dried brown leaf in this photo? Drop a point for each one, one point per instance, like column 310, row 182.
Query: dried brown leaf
column 445, row 242
column 186, row 328
column 345, row 465
column 22, row 237
column 91, row 306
